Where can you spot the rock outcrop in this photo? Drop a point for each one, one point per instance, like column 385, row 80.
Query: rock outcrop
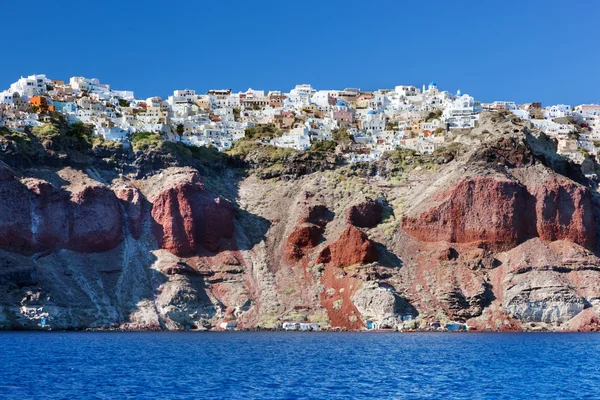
column 543, row 297
column 308, row 231
column 483, row 209
column 351, row 247
column 132, row 201
column 501, row 213
column 380, row 305
column 185, row 216
column 564, row 210
column 366, row 214
column 38, row 216
column 302, row 239
column 95, row 220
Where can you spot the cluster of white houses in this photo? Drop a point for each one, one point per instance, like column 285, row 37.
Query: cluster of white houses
column 406, row 116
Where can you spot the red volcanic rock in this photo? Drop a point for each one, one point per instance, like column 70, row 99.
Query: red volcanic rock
column 96, row 221
column 564, row 211
column 15, row 223
column 172, row 213
column 365, row 215
column 316, row 214
column 478, row 209
column 303, row 238
column 504, row 213
column 132, row 202
column 50, row 216
column 185, row 216
column 39, row 216
column 351, row 247
column 586, row 321
column 215, row 221
column 307, row 233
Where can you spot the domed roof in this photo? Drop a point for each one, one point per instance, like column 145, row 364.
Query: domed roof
column 432, row 83
column 372, row 112
column 340, row 103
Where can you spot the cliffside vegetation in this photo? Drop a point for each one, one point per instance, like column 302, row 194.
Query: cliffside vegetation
column 56, row 143
column 262, row 132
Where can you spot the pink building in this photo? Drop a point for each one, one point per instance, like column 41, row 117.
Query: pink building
column 342, row 115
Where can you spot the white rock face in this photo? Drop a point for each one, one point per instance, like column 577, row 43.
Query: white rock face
column 542, row 296
column 376, row 305
column 551, row 312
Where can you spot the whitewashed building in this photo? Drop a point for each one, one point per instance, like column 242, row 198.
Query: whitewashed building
column 462, row 112
column 298, row 139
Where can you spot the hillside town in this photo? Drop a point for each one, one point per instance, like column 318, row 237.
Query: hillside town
column 372, row 122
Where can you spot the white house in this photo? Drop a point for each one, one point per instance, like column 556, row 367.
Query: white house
column 462, row 112
column 9, row 98
column 558, row 111
column 407, row 91
column 33, row 85
column 298, row 138
column 373, row 122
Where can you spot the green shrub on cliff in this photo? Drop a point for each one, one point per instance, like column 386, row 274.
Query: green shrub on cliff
column 260, row 152
column 448, row 152
column 46, row 132
column 199, row 156
column 98, row 142
column 204, row 155
column 82, row 135
column 208, row 155
column 14, row 136
column 262, row 132
column 341, row 136
column 323, row 147
column 18, row 140
column 434, row 115
column 400, row 157
column 144, row 141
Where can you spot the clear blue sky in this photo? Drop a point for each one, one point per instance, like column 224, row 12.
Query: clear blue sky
column 523, row 50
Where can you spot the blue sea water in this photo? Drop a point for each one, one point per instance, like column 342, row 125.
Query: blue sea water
column 294, row 365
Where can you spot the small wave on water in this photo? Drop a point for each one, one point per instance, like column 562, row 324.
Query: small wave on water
column 294, row 365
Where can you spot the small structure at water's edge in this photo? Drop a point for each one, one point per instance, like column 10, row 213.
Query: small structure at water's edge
column 228, row 325
column 456, row 326
column 300, row 326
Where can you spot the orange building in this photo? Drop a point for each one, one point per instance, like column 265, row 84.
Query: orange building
column 41, row 103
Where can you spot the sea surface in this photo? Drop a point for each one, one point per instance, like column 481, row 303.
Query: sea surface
column 294, row 365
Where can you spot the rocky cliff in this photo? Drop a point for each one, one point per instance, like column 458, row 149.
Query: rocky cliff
column 501, row 235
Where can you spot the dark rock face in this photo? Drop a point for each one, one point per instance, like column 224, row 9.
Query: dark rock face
column 132, row 202
column 185, row 216
column 364, row 215
column 352, row 247
column 509, row 151
column 15, row 232
column 317, row 215
column 96, row 223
